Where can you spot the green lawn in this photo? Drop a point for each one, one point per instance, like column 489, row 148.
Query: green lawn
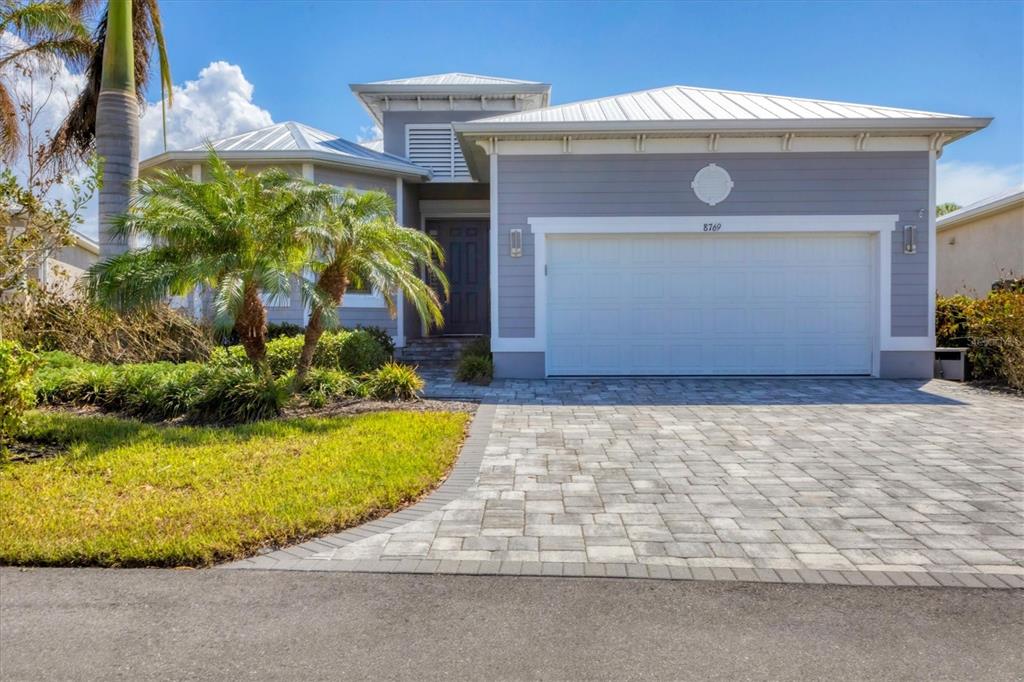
column 132, row 494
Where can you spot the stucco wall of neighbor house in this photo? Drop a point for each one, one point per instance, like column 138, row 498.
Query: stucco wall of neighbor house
column 395, row 122
column 765, row 184
column 973, row 255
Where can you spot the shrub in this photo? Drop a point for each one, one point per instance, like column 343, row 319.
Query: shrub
column 475, row 362
column 995, row 325
column 159, row 391
column 74, row 325
column 1012, row 284
column 992, row 329
column 393, row 382
column 951, row 316
column 478, row 347
column 382, row 337
column 324, row 385
column 229, row 395
column 16, row 393
column 275, row 330
column 356, row 352
column 475, row 369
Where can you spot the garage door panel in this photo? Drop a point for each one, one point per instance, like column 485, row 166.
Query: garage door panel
column 710, row 304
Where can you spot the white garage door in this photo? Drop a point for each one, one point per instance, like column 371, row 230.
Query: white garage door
column 766, row 304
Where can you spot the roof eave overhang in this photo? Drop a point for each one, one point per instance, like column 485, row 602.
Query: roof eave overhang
column 953, row 128
column 298, row 156
column 366, row 92
column 963, row 216
column 915, row 126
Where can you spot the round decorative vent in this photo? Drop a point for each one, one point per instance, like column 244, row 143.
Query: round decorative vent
column 712, row 184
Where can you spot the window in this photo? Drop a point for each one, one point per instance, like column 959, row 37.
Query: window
column 435, row 146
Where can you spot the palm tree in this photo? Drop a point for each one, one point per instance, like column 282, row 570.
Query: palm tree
column 361, row 244
column 241, row 235
column 948, row 207
column 49, row 30
column 106, row 114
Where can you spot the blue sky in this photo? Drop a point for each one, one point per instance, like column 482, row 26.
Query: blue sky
column 942, row 56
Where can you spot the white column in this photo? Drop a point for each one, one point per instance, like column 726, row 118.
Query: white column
column 400, row 298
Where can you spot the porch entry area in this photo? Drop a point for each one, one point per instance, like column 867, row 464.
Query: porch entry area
column 467, row 266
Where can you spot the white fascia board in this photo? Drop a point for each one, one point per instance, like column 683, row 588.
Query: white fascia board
column 917, row 126
column 962, row 216
column 296, row 156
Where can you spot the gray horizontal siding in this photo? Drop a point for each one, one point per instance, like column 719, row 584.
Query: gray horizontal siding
column 765, row 184
column 362, row 181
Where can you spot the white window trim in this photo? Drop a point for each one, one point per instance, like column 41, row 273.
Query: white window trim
column 881, row 225
column 468, row 177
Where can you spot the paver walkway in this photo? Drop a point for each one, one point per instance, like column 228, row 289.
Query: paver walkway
column 824, row 480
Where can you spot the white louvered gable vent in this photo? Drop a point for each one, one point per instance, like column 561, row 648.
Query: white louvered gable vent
column 435, row 146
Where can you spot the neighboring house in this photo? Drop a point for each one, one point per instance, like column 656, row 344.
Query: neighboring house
column 673, row 231
column 980, row 244
column 65, row 267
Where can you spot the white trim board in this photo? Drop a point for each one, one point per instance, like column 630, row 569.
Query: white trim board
column 880, row 224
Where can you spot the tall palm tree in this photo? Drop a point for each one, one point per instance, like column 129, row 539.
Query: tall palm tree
column 361, row 244
column 241, row 235
column 49, row 30
column 106, row 114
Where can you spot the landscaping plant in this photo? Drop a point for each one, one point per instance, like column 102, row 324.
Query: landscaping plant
column 393, row 382
column 241, row 235
column 991, row 328
column 476, row 365
column 361, row 244
column 16, row 392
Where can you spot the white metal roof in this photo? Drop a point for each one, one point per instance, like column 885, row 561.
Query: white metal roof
column 987, row 206
column 684, row 103
column 454, row 78
column 291, row 140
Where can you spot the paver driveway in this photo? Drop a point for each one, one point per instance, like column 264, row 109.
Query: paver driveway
column 644, row 477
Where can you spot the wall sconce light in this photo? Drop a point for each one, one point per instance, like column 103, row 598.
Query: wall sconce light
column 515, row 240
column 910, row 239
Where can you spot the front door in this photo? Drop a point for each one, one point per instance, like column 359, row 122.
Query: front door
column 467, row 265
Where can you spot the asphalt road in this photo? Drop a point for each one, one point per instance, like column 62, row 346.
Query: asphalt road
column 142, row 624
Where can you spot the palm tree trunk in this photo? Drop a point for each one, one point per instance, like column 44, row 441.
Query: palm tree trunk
column 251, row 325
column 117, row 126
column 333, row 281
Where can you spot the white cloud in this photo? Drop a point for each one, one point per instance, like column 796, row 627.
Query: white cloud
column 964, row 183
column 217, row 104
column 368, row 134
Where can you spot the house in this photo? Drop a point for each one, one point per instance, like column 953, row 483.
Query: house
column 980, row 244
column 673, row 231
column 62, row 269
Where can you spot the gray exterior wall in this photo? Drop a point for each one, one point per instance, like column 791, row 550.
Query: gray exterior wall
column 354, row 179
column 395, row 122
column 765, row 184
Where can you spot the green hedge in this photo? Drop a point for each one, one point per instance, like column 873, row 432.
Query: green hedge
column 991, row 328
column 162, row 390
column 206, row 393
column 351, row 351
